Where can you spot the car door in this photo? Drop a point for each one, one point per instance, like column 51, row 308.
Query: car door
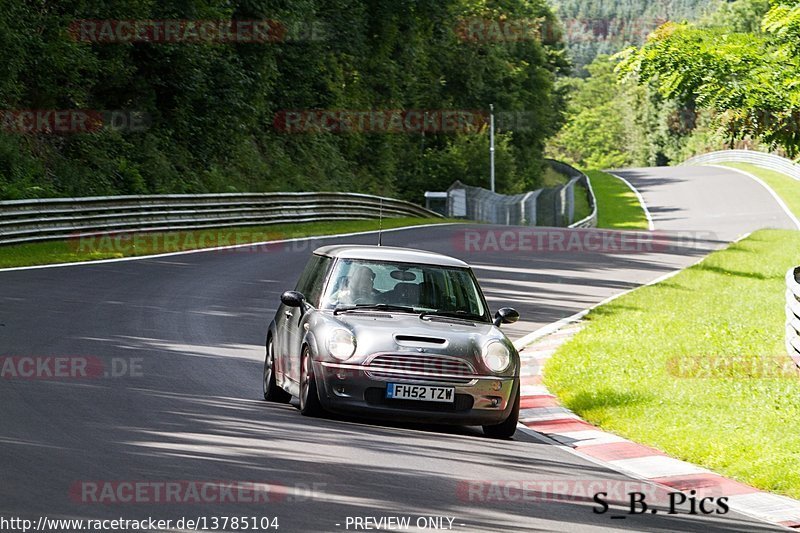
column 311, row 284
column 286, row 322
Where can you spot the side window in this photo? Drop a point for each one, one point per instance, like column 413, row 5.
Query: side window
column 313, row 278
column 317, row 281
column 308, row 272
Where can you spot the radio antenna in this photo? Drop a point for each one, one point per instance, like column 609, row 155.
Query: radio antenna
column 380, row 224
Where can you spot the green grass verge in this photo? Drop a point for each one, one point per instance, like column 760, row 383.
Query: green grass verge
column 696, row 365
column 552, row 178
column 582, row 207
column 109, row 247
column 617, row 206
column 787, row 187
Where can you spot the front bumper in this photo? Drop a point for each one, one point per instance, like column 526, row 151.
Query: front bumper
column 351, row 389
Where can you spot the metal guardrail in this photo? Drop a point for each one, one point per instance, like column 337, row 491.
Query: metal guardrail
column 477, row 203
column 762, row 159
column 590, row 221
column 554, row 206
column 793, row 314
column 59, row 218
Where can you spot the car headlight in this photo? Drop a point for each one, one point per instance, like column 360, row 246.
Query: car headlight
column 496, row 356
column 341, row 344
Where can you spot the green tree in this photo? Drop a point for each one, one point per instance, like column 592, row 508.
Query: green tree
column 212, row 105
column 595, row 133
column 750, row 81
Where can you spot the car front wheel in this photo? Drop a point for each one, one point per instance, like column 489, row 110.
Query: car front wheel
column 506, row 428
column 272, row 393
column 309, row 399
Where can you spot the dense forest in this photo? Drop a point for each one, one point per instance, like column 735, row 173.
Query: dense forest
column 87, row 109
column 727, row 79
column 380, row 96
column 602, row 27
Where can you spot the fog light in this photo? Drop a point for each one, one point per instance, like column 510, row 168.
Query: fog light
column 495, row 402
column 340, row 389
column 497, row 385
column 340, row 376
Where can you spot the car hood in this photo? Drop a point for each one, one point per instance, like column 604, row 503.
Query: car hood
column 401, row 332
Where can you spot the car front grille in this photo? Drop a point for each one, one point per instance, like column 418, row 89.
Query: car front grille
column 377, row 396
column 418, row 367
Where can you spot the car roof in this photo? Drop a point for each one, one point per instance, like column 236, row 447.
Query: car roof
column 389, row 253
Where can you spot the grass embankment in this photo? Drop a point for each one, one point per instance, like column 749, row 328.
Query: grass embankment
column 552, row 178
column 112, row 247
column 617, row 205
column 696, row 365
column 582, row 206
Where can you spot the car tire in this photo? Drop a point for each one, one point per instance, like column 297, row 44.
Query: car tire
column 309, row 398
column 272, row 393
column 506, row 428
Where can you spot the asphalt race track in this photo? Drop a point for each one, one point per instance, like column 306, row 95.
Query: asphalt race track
column 193, row 328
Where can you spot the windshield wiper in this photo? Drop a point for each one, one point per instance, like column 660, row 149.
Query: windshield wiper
column 374, row 307
column 462, row 315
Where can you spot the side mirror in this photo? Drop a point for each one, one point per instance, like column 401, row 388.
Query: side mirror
column 293, row 299
column 505, row 315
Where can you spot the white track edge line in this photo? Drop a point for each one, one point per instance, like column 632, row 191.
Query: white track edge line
column 769, row 189
column 650, row 225
column 219, row 248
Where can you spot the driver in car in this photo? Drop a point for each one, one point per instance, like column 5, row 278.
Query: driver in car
column 357, row 287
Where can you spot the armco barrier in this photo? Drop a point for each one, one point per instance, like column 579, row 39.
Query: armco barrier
column 553, row 206
column 793, row 314
column 590, row 221
column 566, row 196
column 58, row 218
column 769, row 161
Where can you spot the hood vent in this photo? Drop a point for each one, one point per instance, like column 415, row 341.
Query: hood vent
column 417, row 339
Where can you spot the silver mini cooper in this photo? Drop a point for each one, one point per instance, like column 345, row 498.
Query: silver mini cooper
column 394, row 333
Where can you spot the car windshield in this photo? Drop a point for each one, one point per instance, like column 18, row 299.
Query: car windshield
column 422, row 288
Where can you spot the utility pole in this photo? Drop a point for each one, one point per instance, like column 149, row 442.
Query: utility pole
column 491, row 146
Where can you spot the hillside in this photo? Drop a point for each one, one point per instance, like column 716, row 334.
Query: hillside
column 136, row 97
column 594, row 27
column 726, row 79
